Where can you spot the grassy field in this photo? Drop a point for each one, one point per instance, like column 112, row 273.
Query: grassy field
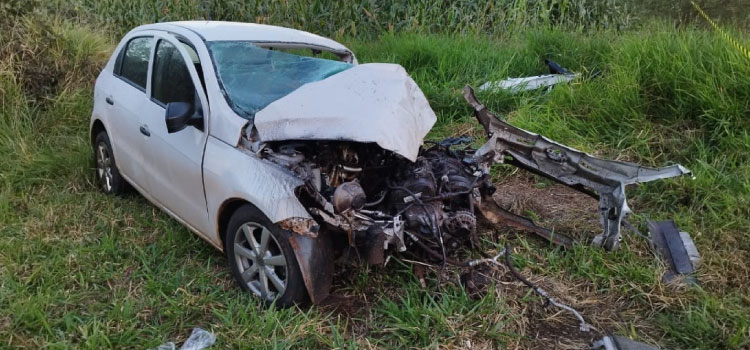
column 82, row 270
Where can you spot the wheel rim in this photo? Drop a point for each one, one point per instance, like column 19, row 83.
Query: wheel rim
column 260, row 261
column 104, row 166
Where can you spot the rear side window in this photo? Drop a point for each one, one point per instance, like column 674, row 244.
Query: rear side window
column 171, row 78
column 133, row 62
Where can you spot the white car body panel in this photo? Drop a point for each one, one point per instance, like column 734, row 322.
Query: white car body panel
column 229, row 174
column 375, row 102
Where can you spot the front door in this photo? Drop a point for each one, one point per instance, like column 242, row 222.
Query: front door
column 174, row 161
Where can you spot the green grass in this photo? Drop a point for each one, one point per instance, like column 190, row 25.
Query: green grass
column 79, row 269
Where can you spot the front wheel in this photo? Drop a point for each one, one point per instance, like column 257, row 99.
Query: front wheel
column 262, row 259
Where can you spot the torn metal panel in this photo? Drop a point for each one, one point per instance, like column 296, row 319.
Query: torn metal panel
column 314, row 252
column 303, row 226
column 346, row 223
column 363, row 104
column 230, row 175
column 495, row 214
column 600, row 178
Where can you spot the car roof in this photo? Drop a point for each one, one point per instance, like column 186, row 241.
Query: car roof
column 221, row 31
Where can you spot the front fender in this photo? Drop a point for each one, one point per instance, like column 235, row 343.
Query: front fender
column 229, row 172
column 315, row 258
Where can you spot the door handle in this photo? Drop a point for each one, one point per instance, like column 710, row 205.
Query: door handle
column 109, row 100
column 144, row 130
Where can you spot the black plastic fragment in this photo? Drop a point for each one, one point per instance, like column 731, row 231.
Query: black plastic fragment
column 666, row 238
column 555, row 68
column 452, row 141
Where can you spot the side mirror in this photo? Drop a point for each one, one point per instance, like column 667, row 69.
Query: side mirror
column 178, row 115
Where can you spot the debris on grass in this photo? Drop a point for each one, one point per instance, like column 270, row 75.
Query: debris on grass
column 558, row 75
column 677, row 249
column 199, row 339
column 600, row 178
column 617, row 342
column 583, row 326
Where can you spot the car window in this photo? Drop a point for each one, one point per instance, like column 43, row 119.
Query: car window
column 252, row 77
column 171, row 78
column 191, row 52
column 196, row 63
column 134, row 61
column 307, row 52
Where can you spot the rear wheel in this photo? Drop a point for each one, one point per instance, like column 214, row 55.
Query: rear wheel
column 107, row 175
column 262, row 259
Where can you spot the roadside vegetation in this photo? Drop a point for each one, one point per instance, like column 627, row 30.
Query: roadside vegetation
column 79, row 269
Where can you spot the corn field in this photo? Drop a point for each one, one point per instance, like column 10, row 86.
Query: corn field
column 360, row 17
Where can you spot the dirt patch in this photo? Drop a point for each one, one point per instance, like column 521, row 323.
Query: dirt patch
column 550, row 205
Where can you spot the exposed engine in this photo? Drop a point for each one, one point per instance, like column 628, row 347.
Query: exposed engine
column 382, row 202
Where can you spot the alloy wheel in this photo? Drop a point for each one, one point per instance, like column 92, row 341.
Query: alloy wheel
column 104, row 166
column 260, row 261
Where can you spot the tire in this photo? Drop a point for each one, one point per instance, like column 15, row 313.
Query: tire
column 107, row 175
column 248, row 223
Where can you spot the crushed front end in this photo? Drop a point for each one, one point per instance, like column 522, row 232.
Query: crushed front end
column 372, row 202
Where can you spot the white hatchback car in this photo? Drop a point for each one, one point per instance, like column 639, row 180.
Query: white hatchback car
column 277, row 148
column 180, row 111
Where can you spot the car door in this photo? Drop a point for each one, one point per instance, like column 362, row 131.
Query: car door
column 173, row 161
column 124, row 94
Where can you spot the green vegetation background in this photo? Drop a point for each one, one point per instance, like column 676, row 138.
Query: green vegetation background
column 82, row 270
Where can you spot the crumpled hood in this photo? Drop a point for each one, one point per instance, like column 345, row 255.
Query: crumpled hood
column 374, row 102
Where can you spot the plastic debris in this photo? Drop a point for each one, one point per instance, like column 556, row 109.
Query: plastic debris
column 617, row 342
column 677, row 249
column 166, row 346
column 559, row 75
column 199, row 339
column 516, row 85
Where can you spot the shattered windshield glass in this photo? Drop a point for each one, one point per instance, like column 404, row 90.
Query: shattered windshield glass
column 252, row 77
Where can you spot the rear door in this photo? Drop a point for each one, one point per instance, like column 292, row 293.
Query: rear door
column 173, row 161
column 124, row 93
